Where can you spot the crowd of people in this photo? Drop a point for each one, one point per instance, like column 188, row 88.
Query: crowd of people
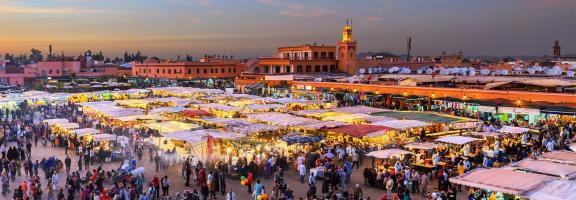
column 325, row 167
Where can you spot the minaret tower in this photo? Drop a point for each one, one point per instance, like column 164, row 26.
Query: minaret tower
column 347, row 51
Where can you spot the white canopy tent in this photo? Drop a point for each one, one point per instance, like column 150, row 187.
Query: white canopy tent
column 513, row 130
column 52, row 122
column 86, row 131
column 281, row 119
column 560, row 157
column 487, row 134
column 327, row 124
column 502, row 180
column 422, row 145
column 69, row 125
column 197, row 135
column 401, row 124
column 564, row 171
column 554, row 190
column 166, row 110
column 387, row 153
column 455, row 139
column 170, row 126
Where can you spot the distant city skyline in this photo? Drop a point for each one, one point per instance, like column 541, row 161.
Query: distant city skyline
column 251, row 28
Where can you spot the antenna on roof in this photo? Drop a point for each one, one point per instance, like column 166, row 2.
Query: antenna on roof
column 347, row 21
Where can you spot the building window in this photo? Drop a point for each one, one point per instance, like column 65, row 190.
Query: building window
column 211, row 70
column 189, row 71
column 288, row 69
column 331, row 55
column 163, row 71
column 317, row 68
column 49, row 71
column 323, row 55
column 234, row 70
column 223, row 70
column 299, row 69
column 332, row 68
column 57, row 71
column 306, row 55
column 256, row 70
column 278, row 69
column 266, row 69
column 315, row 55
column 198, row 71
column 205, row 70
column 308, row 68
column 324, row 68
column 169, row 71
column 229, row 70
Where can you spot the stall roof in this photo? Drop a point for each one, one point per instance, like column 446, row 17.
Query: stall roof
column 455, row 139
column 52, row 122
column 324, row 124
column 86, row 131
column 166, row 110
column 422, row 145
column 155, row 116
column 178, row 101
column 215, row 106
column 402, row 124
column 196, row 135
column 513, row 130
column 560, row 157
column 281, row 119
column 195, row 113
column 387, row 153
column 554, row 190
column 359, row 110
column 69, row 125
column 502, row 180
column 547, row 167
column 264, row 106
column 430, row 117
column 488, row 134
column 360, row 130
column 170, row 126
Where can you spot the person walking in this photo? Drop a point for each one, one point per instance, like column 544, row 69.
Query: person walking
column 67, row 162
column 165, row 186
column 302, row 170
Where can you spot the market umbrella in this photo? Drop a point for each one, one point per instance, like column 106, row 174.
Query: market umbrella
column 387, row 153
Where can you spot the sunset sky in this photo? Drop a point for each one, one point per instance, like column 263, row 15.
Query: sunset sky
column 245, row 28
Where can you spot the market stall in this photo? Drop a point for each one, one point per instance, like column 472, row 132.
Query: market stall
column 560, row 157
column 52, row 122
column 554, row 190
column 423, row 153
column 458, row 140
column 108, row 147
column 513, row 130
column 362, row 133
column 280, row 119
column 85, row 131
column 506, row 182
column 170, row 126
column 562, row 170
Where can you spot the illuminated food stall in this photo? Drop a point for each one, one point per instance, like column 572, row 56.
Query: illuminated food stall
column 361, row 133
column 392, row 155
column 219, row 110
column 170, row 126
column 200, row 144
column 281, row 119
column 500, row 184
column 423, row 152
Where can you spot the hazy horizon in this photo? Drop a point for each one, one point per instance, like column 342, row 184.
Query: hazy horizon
column 251, row 28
